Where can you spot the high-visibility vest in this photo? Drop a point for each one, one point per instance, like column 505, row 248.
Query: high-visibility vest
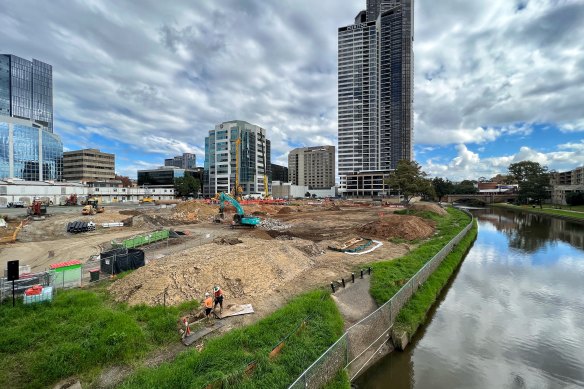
column 209, row 302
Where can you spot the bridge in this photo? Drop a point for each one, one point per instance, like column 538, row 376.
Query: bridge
column 488, row 198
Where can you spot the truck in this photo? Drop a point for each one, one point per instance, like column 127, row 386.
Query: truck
column 240, row 218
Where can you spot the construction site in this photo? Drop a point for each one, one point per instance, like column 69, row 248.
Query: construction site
column 293, row 248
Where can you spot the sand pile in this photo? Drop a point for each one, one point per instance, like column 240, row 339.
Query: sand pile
column 399, row 226
column 193, row 211
column 246, row 270
column 429, row 207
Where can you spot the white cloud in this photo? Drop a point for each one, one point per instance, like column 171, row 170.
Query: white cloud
column 469, row 165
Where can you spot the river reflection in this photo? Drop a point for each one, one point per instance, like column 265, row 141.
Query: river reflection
column 512, row 318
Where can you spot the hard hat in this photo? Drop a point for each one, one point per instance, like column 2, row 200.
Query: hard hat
column 206, row 294
column 216, row 288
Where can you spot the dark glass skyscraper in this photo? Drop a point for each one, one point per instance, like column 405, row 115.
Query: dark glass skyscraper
column 26, row 90
column 29, row 149
column 375, row 95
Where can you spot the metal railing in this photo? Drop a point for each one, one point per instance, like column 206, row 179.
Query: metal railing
column 361, row 342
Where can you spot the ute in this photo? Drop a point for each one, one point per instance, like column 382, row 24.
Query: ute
column 240, row 218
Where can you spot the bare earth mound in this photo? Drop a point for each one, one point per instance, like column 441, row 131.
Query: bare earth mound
column 399, row 226
column 246, row 270
column 429, row 207
column 192, row 211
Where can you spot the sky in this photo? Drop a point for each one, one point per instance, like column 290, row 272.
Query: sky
column 496, row 81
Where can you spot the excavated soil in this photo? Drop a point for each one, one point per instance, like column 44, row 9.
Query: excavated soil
column 246, row 270
column 429, row 207
column 399, row 226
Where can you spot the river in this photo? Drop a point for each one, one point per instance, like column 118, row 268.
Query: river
column 511, row 317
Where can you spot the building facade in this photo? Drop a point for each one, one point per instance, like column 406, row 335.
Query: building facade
column 375, row 94
column 26, row 90
column 28, row 151
column 28, row 148
column 279, row 173
column 58, row 193
column 232, row 141
column 185, row 161
column 566, row 182
column 287, row 190
column 313, row 167
column 162, row 176
column 88, row 165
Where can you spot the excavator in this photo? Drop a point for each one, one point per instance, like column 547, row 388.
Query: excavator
column 240, row 218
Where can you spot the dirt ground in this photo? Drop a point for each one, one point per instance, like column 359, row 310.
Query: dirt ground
column 271, row 265
column 288, row 254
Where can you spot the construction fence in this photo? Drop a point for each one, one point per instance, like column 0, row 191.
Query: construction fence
column 361, row 342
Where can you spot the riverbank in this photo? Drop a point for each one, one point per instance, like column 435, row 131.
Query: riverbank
column 575, row 216
column 415, row 312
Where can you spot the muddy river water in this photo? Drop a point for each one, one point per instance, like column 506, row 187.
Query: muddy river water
column 512, row 316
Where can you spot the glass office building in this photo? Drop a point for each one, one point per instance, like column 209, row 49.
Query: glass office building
column 375, row 95
column 29, row 149
column 26, row 90
column 29, row 152
column 221, row 155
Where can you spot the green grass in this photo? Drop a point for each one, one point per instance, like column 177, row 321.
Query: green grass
column 413, row 314
column 389, row 276
column 79, row 333
column 423, row 214
column 223, row 359
column 547, row 210
column 341, row 381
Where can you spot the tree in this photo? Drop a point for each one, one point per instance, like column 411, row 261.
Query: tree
column 465, row 187
column 410, row 180
column 442, row 187
column 575, row 198
column 186, row 186
column 126, row 182
column 533, row 180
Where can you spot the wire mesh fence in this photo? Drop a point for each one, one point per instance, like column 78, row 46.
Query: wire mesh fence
column 28, row 280
column 361, row 342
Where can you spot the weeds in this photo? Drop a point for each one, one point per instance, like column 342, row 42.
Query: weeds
column 388, row 277
column 224, row 359
column 80, row 332
column 413, row 314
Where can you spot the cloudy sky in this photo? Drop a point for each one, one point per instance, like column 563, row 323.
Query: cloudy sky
column 496, row 81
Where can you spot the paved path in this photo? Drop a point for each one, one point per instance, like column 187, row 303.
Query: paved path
column 354, row 301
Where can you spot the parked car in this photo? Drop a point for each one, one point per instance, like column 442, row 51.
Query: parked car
column 16, row 204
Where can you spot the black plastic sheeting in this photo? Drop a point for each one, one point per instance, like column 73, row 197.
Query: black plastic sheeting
column 120, row 260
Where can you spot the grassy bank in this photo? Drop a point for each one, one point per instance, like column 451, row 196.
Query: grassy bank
column 224, row 359
column 413, row 314
column 388, row 277
column 79, row 333
column 572, row 214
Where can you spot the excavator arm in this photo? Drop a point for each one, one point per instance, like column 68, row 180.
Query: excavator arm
column 225, row 197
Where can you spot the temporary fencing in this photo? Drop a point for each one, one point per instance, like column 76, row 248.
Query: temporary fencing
column 361, row 342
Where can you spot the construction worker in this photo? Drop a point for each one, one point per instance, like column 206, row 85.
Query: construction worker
column 218, row 294
column 208, row 305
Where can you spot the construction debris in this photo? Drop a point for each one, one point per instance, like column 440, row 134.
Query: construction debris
column 77, row 227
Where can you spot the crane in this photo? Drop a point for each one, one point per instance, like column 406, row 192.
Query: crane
column 266, row 189
column 240, row 218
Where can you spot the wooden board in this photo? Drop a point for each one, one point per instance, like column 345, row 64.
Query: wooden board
column 192, row 338
column 236, row 310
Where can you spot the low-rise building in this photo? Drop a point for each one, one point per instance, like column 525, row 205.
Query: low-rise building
column 287, row 190
column 12, row 190
column 88, row 165
column 566, row 182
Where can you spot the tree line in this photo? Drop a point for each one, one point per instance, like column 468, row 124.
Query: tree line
column 533, row 182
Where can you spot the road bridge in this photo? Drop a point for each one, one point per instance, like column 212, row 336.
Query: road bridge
column 488, row 198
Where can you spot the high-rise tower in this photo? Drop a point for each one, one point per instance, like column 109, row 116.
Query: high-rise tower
column 375, row 95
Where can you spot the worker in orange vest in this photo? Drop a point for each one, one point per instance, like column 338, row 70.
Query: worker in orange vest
column 218, row 295
column 208, row 305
